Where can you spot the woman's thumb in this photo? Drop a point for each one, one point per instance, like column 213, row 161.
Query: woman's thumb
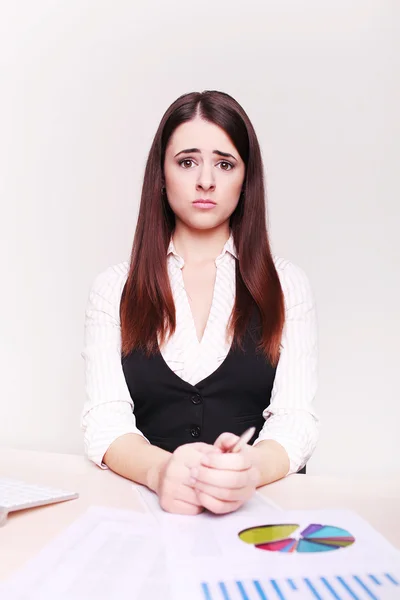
column 225, row 441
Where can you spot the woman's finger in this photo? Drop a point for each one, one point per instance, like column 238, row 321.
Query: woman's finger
column 218, row 478
column 181, row 507
column 204, row 448
column 238, row 461
column 187, row 494
column 225, row 441
column 216, row 506
column 190, row 455
column 225, row 494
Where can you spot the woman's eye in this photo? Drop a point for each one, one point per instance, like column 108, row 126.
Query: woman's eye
column 225, row 166
column 186, row 163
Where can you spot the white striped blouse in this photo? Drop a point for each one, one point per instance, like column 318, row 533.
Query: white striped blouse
column 290, row 417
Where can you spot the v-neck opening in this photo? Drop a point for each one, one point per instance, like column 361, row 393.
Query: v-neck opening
column 201, row 342
column 202, row 381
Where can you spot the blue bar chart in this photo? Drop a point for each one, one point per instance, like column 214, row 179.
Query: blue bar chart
column 373, row 586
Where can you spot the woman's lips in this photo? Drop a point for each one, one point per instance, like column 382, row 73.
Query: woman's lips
column 204, row 203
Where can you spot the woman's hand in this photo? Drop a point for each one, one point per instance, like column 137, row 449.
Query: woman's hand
column 175, row 485
column 224, row 481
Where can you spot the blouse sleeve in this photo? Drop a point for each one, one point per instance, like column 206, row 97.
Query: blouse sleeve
column 108, row 408
column 290, row 419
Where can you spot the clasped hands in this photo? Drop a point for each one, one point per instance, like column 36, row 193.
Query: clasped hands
column 200, row 476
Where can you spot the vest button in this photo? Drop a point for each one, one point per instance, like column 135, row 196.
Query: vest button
column 195, row 431
column 196, row 399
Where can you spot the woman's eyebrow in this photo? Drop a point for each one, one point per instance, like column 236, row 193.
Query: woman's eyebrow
column 188, row 151
column 224, row 154
column 196, row 150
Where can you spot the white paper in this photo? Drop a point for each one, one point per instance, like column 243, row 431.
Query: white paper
column 115, row 555
column 106, row 554
column 159, row 580
column 208, row 561
column 150, row 503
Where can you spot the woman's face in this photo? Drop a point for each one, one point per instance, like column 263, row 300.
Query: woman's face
column 202, row 164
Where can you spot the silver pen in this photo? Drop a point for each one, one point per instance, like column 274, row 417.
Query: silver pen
column 243, row 439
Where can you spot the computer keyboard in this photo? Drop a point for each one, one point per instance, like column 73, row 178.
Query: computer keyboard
column 17, row 495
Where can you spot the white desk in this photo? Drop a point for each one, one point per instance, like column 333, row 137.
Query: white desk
column 26, row 532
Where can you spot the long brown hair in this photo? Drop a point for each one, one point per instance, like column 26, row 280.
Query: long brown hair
column 147, row 308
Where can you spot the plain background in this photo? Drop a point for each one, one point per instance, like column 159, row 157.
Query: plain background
column 84, row 85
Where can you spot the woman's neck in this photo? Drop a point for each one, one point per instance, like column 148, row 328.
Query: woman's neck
column 198, row 246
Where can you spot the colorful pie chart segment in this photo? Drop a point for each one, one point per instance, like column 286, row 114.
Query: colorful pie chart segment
column 314, row 538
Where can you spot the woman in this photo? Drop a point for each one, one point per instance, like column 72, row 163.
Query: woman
column 204, row 332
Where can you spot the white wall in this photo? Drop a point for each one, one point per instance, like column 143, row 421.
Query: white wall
column 84, row 85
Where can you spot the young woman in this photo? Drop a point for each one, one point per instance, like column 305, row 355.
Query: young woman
column 204, row 332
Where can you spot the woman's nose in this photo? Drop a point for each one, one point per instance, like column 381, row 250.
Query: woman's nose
column 205, row 180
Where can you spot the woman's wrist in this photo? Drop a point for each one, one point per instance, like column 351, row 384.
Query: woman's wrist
column 155, row 472
column 271, row 461
column 133, row 457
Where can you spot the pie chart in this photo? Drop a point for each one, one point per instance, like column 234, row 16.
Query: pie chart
column 314, row 538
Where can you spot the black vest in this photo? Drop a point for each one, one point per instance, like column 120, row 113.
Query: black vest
column 171, row 412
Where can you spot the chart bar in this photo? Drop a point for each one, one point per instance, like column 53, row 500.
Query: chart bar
column 365, row 587
column 260, row 590
column 391, row 579
column 292, row 584
column 277, row 589
column 312, row 589
column 348, row 588
column 242, row 590
column 206, row 591
column 224, row 591
column 330, row 588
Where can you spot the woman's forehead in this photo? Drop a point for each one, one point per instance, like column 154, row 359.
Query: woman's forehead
column 202, row 135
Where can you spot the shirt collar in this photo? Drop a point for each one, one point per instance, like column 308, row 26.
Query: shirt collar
column 171, row 250
column 229, row 247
